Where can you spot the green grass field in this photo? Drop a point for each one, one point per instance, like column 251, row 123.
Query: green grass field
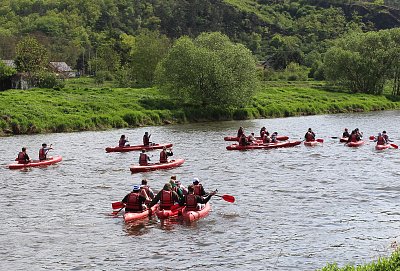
column 83, row 106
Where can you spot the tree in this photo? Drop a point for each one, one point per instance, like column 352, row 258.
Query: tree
column 148, row 49
column 31, row 57
column 360, row 61
column 210, row 70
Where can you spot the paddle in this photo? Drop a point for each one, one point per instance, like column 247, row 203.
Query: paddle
column 394, row 145
column 116, row 212
column 227, row 198
column 320, row 140
column 117, row 205
column 334, row 137
column 372, row 137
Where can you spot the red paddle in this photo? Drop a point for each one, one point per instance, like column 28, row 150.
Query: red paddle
column 227, row 198
column 372, row 137
column 394, row 145
column 117, row 205
column 320, row 140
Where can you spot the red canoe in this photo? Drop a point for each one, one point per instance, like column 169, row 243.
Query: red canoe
column 235, row 138
column 356, row 144
column 311, row 143
column 264, row 146
column 130, row 217
column 157, row 166
column 138, row 148
column 36, row 163
column 382, row 147
column 190, row 216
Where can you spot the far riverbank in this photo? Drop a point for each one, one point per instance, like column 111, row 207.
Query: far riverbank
column 80, row 108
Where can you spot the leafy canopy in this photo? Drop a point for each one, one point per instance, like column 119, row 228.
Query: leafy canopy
column 210, row 70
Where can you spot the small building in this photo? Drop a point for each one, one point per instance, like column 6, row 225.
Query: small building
column 62, row 69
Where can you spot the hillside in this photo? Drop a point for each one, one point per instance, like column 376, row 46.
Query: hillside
column 73, row 30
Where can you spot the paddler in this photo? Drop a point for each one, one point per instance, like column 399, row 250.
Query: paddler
column 240, row 132
column 43, row 152
column 123, row 141
column 164, row 155
column 146, row 188
column 23, row 157
column 146, row 139
column 198, row 187
column 143, row 158
column 166, row 197
column 310, row 135
column 134, row 201
column 346, row 133
column 380, row 140
column 194, row 202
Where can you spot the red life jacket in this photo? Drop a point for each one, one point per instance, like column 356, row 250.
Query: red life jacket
column 21, row 158
column 143, row 159
column 353, row 138
column 166, row 200
column 191, row 202
column 380, row 140
column 42, row 154
column 133, row 203
column 163, row 157
column 146, row 140
column 310, row 137
column 197, row 189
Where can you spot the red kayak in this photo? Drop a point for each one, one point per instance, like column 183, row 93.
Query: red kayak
column 382, row 147
column 311, row 143
column 356, row 143
column 190, row 216
column 235, row 138
column 138, row 148
column 165, row 214
column 286, row 144
column 344, row 139
column 157, row 166
column 130, row 217
column 36, row 163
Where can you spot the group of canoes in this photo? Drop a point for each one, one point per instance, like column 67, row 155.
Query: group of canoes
column 267, row 141
column 173, row 201
column 24, row 161
column 144, row 163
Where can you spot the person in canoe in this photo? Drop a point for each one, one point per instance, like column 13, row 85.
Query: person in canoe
column 359, row 134
column 243, row 140
column 310, row 135
column 263, row 131
column 274, row 137
column 198, row 187
column 386, row 137
column 135, row 201
column 144, row 158
column 194, row 202
column 380, row 140
column 240, row 132
column 167, row 197
column 43, row 152
column 146, row 189
column 164, row 155
column 23, row 157
column 266, row 138
column 251, row 138
column 146, row 139
column 180, row 188
column 355, row 136
column 123, row 141
column 346, row 133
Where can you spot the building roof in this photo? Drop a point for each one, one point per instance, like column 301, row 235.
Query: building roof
column 61, row 66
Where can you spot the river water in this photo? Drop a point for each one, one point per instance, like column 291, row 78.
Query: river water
column 296, row 208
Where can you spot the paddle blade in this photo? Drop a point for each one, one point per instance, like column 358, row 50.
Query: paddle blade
column 117, row 205
column 372, row 137
column 228, row 198
column 320, row 140
column 394, row 146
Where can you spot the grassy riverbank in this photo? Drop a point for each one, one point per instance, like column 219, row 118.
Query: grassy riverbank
column 80, row 107
column 391, row 263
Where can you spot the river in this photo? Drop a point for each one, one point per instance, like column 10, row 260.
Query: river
column 296, row 208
